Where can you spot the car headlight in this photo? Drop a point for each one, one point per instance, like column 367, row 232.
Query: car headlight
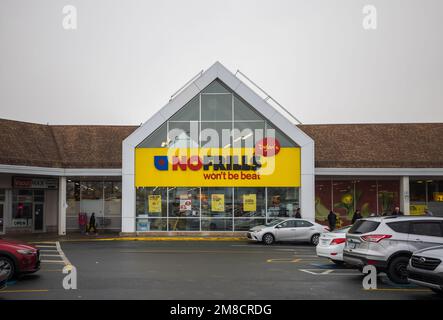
column 26, row 252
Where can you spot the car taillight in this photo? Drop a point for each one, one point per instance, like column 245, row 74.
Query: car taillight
column 338, row 241
column 375, row 237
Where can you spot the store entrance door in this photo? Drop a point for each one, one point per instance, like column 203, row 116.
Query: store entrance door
column 2, row 218
column 38, row 218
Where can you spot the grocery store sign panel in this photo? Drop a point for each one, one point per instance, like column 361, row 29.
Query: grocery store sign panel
column 217, row 167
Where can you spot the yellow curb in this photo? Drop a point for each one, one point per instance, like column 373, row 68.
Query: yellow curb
column 22, row 291
column 161, row 239
column 399, row 289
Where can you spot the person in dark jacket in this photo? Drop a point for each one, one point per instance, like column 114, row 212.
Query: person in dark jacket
column 298, row 213
column 397, row 212
column 332, row 220
column 92, row 224
column 357, row 215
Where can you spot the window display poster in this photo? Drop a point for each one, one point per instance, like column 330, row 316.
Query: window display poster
column 249, row 202
column 155, row 203
column 143, row 225
column 185, row 202
column 417, row 209
column 438, row 196
column 218, row 202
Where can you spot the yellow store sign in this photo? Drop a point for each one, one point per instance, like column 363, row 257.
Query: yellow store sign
column 215, row 167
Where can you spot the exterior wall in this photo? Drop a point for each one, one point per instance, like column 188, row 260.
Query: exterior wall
column 5, row 181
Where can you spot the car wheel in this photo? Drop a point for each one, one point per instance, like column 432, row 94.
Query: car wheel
column 437, row 291
column 397, row 270
column 268, row 238
column 314, row 239
column 7, row 265
column 338, row 262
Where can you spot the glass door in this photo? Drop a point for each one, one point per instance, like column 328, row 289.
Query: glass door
column 38, row 218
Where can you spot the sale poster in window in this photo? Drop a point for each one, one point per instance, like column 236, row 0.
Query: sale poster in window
column 218, row 202
column 249, row 202
column 155, row 203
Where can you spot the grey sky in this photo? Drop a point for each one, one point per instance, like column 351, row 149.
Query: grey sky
column 127, row 57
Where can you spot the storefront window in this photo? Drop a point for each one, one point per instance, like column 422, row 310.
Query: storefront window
column 216, row 202
column 426, row 194
column 216, row 107
column 343, row 192
column 347, row 196
column 22, row 207
column 151, row 202
column 184, row 224
column 388, row 196
column 2, row 210
column 100, row 197
column 242, row 224
column 366, row 197
column 417, row 190
column 323, row 199
column 184, row 202
column 282, row 202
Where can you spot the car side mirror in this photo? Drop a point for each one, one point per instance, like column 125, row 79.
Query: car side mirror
column 278, row 227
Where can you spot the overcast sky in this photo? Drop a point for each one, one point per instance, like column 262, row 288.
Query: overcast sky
column 127, row 57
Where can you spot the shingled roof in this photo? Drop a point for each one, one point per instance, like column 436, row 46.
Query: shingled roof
column 62, row 146
column 336, row 145
column 414, row 145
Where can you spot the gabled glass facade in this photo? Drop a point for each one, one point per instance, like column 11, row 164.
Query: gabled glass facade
column 216, row 109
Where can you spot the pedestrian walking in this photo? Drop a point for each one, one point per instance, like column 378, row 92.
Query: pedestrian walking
column 357, row 215
column 298, row 213
column 397, row 212
column 332, row 220
column 92, row 224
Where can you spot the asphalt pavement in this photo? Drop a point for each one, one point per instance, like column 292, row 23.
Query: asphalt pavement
column 197, row 270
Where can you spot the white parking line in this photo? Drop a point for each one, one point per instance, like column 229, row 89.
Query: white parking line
column 320, row 272
column 62, row 254
column 50, row 255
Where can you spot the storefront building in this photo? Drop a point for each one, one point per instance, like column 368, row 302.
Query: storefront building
column 217, row 158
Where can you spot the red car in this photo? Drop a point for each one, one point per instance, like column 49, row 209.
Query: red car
column 18, row 258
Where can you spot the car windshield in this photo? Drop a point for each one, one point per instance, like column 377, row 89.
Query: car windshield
column 342, row 230
column 274, row 222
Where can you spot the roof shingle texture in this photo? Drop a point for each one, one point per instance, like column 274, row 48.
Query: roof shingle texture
column 336, row 145
column 413, row 145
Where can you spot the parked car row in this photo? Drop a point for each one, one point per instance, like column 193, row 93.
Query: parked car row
column 293, row 229
column 17, row 259
column 406, row 248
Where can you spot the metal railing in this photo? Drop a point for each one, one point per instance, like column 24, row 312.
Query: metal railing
column 268, row 96
column 186, row 84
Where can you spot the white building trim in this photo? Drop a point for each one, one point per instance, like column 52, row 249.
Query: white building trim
column 217, row 70
column 379, row 171
column 45, row 171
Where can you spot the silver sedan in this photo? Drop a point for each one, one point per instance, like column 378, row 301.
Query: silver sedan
column 299, row 230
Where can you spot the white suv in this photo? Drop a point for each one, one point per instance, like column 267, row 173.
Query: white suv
column 389, row 242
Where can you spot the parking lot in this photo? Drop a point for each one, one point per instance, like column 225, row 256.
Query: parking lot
column 197, row 270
